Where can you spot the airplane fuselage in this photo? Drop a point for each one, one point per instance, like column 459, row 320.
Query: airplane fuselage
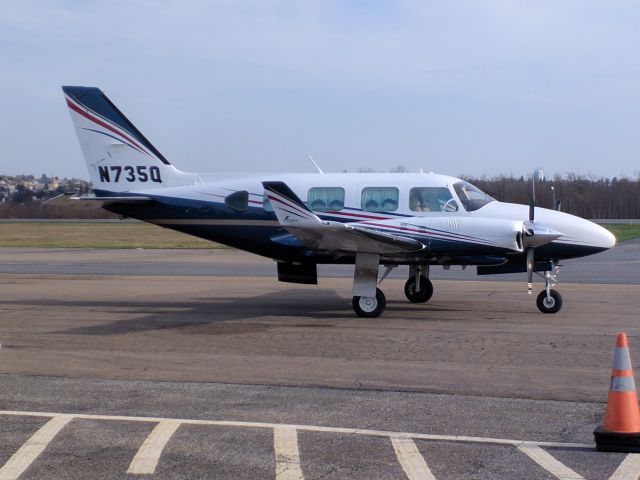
column 203, row 210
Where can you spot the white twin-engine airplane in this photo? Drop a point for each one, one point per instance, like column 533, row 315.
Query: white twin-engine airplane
column 302, row 220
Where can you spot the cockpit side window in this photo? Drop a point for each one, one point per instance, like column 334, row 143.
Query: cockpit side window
column 432, row 199
column 472, row 197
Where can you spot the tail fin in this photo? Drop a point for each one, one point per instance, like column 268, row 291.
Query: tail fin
column 118, row 156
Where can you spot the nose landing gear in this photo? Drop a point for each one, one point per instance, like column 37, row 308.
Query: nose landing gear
column 550, row 300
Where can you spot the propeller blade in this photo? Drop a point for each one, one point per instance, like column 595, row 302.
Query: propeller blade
column 530, row 261
column 532, row 199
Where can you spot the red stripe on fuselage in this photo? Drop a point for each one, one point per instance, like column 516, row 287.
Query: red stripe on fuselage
column 359, row 215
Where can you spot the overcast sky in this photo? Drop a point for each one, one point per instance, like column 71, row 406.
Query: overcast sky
column 457, row 87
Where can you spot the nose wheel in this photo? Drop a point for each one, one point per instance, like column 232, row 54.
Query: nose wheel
column 550, row 300
column 369, row 306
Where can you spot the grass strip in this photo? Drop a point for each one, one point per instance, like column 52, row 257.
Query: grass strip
column 140, row 235
column 623, row 232
column 96, row 235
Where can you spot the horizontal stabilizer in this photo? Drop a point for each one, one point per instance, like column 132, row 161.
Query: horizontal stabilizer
column 71, row 200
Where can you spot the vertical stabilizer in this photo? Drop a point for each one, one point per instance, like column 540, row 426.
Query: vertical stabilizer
column 118, row 156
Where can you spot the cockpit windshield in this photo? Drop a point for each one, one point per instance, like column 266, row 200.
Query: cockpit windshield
column 472, row 198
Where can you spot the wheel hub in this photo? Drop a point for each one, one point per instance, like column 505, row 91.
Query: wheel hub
column 368, row 304
column 549, row 302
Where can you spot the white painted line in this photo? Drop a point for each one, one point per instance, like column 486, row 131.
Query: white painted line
column 549, row 463
column 410, row 459
column 146, row 459
column 33, row 447
column 629, row 469
column 313, row 428
column 285, row 446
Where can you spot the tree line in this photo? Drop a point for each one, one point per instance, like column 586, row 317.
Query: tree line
column 578, row 195
column 586, row 197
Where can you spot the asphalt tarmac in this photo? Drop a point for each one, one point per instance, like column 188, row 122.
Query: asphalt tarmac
column 117, row 364
column 618, row 265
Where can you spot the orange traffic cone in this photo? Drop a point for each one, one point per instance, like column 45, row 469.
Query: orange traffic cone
column 621, row 429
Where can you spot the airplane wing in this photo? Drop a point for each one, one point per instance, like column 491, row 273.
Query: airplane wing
column 70, row 200
column 319, row 234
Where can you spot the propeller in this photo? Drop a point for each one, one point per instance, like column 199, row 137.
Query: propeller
column 530, row 230
column 555, row 204
column 534, row 235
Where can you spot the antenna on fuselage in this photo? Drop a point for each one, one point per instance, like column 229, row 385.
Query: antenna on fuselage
column 314, row 163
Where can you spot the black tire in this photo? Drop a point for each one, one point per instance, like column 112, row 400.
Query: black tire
column 370, row 306
column 551, row 305
column 425, row 293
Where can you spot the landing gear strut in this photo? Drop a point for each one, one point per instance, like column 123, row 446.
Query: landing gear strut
column 368, row 300
column 418, row 288
column 549, row 300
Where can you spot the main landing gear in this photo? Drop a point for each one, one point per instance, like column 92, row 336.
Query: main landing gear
column 418, row 288
column 368, row 299
column 549, row 300
column 369, row 306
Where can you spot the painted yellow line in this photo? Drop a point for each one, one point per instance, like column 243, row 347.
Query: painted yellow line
column 410, row 459
column 146, row 459
column 33, row 447
column 549, row 463
column 629, row 469
column 312, row 428
column 285, row 446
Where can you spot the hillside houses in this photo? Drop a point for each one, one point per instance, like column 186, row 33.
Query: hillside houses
column 23, row 189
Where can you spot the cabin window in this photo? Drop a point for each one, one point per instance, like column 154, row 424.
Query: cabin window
column 432, row 199
column 266, row 204
column 379, row 199
column 239, row 201
column 325, row 199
